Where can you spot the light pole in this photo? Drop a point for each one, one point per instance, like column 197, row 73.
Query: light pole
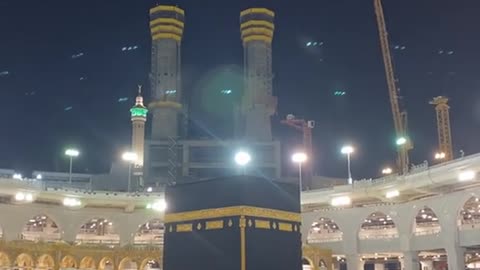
column 242, row 159
column 71, row 153
column 299, row 158
column 129, row 157
column 348, row 150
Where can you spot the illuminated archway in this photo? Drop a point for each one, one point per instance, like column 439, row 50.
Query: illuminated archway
column 150, row 264
column 324, row 230
column 41, row 228
column 45, row 262
column 24, row 262
column 98, row 231
column 87, row 263
column 322, row 265
column 5, row 262
column 106, row 263
column 378, row 226
column 307, row 264
column 127, row 264
column 68, row 262
column 150, row 233
column 426, row 222
column 469, row 215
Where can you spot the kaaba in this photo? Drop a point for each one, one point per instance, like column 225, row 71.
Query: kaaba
column 232, row 223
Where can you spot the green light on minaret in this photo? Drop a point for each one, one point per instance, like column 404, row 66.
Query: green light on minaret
column 139, row 112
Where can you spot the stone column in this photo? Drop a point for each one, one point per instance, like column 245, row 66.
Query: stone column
column 379, row 266
column 354, row 262
column 456, row 258
column 410, row 261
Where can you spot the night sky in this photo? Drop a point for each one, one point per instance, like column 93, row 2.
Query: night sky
column 67, row 71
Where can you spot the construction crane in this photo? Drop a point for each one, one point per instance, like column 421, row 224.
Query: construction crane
column 399, row 116
column 443, row 128
column 305, row 127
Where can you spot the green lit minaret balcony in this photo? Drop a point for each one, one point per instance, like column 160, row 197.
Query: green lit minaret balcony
column 138, row 112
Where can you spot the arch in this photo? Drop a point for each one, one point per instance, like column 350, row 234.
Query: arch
column 469, row 214
column 307, row 263
column 426, row 222
column 106, row 263
column 127, row 264
column 24, row 262
column 378, row 226
column 150, row 264
column 45, row 261
column 4, row 261
column 324, row 230
column 87, row 263
column 150, row 233
column 68, row 262
column 41, row 228
column 98, row 231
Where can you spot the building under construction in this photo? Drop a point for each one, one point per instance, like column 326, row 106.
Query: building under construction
column 169, row 155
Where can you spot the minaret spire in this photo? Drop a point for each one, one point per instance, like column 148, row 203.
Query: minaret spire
column 138, row 115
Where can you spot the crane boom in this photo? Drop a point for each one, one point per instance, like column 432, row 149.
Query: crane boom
column 399, row 117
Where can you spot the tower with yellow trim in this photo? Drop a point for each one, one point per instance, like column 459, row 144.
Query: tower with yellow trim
column 258, row 104
column 166, row 28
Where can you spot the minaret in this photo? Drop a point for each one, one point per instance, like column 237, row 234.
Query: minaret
column 443, row 126
column 166, row 28
column 138, row 115
column 258, row 104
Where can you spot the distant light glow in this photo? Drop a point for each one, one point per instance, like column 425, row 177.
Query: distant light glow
column 39, row 177
column 226, row 91
column 17, row 176
column 4, row 73
column 130, row 156
column 347, row 149
column 466, row 176
column 78, row 55
column 242, row 158
column 401, row 141
column 23, row 197
column 387, row 171
column 149, row 189
column 160, row 205
column 122, row 99
column 170, row 92
column 72, row 152
column 339, row 93
column 71, row 202
column 299, row 157
column 68, row 108
column 341, row 201
column 440, row 155
column 392, row 194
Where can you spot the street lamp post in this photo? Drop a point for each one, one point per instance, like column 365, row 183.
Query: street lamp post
column 299, row 158
column 129, row 157
column 71, row 153
column 242, row 159
column 348, row 150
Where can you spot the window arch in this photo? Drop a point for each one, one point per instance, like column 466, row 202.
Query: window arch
column 426, row 222
column 45, row 262
column 469, row 216
column 98, row 231
column 378, row 226
column 24, row 262
column 41, row 228
column 150, row 233
column 324, row 230
column 88, row 263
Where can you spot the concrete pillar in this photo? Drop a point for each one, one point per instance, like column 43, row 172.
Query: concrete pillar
column 456, row 258
column 410, row 261
column 379, row 266
column 354, row 262
column 427, row 265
